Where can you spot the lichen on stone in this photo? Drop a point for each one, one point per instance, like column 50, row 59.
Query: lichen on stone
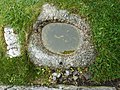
column 39, row 55
column 12, row 41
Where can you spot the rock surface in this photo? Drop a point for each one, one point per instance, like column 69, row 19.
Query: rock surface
column 84, row 55
column 11, row 39
column 60, row 87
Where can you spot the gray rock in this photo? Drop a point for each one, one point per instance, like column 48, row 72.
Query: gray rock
column 75, row 78
column 40, row 55
column 58, row 75
column 54, row 78
column 59, row 87
column 67, row 73
column 87, row 75
column 75, row 73
column 12, row 41
column 54, row 74
column 70, row 87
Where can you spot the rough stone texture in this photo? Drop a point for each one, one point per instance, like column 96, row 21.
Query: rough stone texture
column 61, row 87
column 11, row 39
column 85, row 54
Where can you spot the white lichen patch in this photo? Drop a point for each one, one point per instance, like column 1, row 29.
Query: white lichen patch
column 11, row 39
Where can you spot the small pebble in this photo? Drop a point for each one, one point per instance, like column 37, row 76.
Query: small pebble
column 87, row 75
column 54, row 74
column 75, row 73
column 60, row 80
column 60, row 87
column 81, row 72
column 54, row 78
column 58, row 75
column 70, row 79
column 67, row 73
column 75, row 78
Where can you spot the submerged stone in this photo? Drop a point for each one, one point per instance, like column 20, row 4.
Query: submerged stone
column 60, row 38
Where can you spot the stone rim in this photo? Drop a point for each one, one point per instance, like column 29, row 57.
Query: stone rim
column 83, row 56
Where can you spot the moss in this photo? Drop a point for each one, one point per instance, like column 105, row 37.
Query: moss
column 68, row 52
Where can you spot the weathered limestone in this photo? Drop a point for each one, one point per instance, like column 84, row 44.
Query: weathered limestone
column 11, row 39
column 40, row 55
column 60, row 87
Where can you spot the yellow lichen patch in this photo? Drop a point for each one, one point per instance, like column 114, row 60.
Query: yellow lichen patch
column 68, row 52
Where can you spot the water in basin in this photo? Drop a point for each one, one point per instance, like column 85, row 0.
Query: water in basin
column 60, row 38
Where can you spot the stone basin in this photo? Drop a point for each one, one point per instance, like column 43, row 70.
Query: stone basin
column 60, row 39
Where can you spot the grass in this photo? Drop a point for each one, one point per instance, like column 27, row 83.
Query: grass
column 104, row 18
